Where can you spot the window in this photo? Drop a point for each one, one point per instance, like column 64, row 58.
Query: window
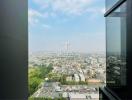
column 116, row 47
column 110, row 3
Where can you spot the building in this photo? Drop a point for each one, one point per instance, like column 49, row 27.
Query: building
column 82, row 77
column 65, row 95
column 77, row 96
column 94, row 96
column 76, row 78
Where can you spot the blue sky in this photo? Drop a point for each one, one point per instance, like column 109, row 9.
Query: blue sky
column 52, row 23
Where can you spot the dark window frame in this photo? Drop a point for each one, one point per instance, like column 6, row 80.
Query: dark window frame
column 114, row 7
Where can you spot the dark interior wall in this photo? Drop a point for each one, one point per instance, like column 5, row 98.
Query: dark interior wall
column 129, row 47
column 13, row 49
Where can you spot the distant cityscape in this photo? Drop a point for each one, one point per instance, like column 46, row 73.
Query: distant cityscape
column 72, row 76
column 67, row 46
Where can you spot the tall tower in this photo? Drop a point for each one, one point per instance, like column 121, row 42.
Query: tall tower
column 67, row 45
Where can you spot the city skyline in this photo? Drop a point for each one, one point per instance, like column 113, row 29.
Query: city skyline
column 53, row 23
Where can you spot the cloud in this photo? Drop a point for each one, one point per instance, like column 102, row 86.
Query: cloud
column 46, row 26
column 34, row 13
column 75, row 7
column 68, row 7
column 95, row 12
column 34, row 16
column 103, row 10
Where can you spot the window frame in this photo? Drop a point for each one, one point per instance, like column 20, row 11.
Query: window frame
column 114, row 7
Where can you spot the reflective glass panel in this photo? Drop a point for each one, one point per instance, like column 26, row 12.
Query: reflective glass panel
column 116, row 47
column 110, row 3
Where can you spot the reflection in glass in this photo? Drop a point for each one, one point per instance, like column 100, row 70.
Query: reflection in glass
column 116, row 47
column 110, row 3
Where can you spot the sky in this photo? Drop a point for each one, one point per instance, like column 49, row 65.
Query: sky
column 53, row 23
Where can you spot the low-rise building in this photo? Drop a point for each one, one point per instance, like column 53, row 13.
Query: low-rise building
column 77, row 96
column 76, row 77
column 82, row 77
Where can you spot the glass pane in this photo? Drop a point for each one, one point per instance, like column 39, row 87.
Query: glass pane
column 110, row 3
column 116, row 47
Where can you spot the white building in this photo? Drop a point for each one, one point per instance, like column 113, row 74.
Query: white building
column 82, row 77
column 65, row 95
column 58, row 89
column 77, row 96
column 76, row 77
column 94, row 96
